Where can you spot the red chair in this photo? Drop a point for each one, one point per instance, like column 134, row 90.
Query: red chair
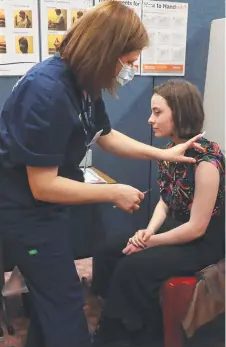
column 175, row 297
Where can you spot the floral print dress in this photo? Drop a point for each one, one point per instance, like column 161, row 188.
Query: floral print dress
column 177, row 180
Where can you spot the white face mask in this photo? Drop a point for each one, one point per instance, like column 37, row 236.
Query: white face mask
column 126, row 74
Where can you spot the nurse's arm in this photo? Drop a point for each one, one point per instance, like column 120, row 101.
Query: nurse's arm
column 124, row 146
column 46, row 185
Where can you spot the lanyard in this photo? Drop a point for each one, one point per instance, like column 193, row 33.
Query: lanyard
column 87, row 108
column 86, row 117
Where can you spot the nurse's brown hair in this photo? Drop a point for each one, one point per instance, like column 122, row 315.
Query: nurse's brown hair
column 92, row 47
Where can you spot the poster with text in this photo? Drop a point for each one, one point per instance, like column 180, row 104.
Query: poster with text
column 57, row 16
column 19, row 36
column 137, row 6
column 166, row 23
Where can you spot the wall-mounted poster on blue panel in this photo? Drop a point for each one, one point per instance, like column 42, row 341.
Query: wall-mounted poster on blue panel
column 56, row 18
column 137, row 6
column 19, row 36
column 166, row 23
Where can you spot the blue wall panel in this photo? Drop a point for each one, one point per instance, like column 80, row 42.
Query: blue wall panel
column 6, row 85
column 129, row 114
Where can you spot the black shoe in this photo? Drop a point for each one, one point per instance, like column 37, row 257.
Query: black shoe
column 110, row 333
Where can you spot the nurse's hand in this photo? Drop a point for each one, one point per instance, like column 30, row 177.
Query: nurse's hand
column 127, row 198
column 176, row 153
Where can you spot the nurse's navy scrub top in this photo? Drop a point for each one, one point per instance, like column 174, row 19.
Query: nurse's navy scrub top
column 40, row 126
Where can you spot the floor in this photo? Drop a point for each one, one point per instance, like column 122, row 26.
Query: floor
column 92, row 307
column 92, row 312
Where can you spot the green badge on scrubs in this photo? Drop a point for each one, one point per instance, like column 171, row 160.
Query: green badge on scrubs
column 33, row 252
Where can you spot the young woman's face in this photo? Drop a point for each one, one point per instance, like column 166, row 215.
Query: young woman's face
column 161, row 118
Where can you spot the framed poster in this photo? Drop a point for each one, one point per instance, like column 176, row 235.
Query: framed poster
column 19, row 36
column 166, row 23
column 56, row 18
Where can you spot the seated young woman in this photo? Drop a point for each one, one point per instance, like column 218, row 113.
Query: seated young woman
column 185, row 233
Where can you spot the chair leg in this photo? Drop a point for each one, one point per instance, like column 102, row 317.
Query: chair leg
column 6, row 317
column 4, row 304
column 1, row 333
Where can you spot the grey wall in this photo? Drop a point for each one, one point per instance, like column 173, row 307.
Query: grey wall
column 130, row 113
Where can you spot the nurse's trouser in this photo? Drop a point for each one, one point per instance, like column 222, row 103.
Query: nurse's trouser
column 39, row 245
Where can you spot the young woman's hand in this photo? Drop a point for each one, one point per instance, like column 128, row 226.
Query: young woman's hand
column 138, row 239
column 130, row 249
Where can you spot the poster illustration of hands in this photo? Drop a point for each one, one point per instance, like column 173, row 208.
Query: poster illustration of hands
column 137, row 6
column 19, row 36
column 57, row 16
column 166, row 23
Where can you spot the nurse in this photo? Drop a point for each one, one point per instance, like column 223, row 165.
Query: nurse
column 47, row 124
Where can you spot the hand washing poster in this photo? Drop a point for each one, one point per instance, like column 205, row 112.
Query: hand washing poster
column 19, row 36
column 57, row 16
column 166, row 23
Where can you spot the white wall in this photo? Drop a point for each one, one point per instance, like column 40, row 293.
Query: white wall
column 214, row 96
